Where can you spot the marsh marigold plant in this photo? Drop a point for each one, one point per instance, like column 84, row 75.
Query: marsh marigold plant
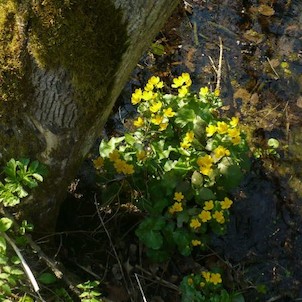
column 180, row 161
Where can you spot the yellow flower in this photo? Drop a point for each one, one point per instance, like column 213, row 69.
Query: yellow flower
column 206, row 275
column 206, row 171
column 215, row 278
column 190, row 281
column 139, row 122
column 217, row 92
column 176, row 207
column 205, row 216
column 156, row 82
column 169, row 112
column 147, row 95
column 196, row 242
column 220, row 152
column 189, row 136
column 222, row 127
column 157, row 120
column 141, row 155
column 236, row 140
column 226, row 203
column 234, row 122
column 203, row 91
column 156, row 107
column 183, row 80
column 98, row 163
column 195, row 224
column 183, row 91
column 208, row 205
column 205, row 163
column 149, row 87
column 136, row 96
column 234, row 132
column 122, row 167
column 114, row 155
column 210, row 130
column 218, row 215
column 163, row 126
column 184, row 144
column 178, row 196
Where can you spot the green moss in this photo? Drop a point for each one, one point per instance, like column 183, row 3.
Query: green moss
column 86, row 38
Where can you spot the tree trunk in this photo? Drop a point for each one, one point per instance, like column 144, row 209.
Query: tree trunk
column 62, row 66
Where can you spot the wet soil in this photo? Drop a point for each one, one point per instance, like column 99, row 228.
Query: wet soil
column 261, row 82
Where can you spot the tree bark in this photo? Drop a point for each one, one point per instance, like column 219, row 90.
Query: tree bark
column 62, row 66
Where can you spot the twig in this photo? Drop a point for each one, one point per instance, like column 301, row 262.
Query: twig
column 27, row 270
column 274, row 298
column 160, row 280
column 218, row 70
column 272, row 67
column 140, row 287
column 195, row 34
column 219, row 64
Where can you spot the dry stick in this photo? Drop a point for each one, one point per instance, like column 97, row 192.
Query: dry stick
column 219, row 64
column 111, row 243
column 272, row 67
column 158, row 279
column 27, row 269
column 140, row 287
column 218, row 70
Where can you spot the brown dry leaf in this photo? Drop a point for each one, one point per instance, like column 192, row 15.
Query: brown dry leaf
column 299, row 102
column 253, row 36
column 266, row 10
column 254, row 99
column 243, row 94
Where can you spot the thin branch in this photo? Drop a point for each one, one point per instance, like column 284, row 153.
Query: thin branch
column 140, row 287
column 219, row 64
column 27, row 270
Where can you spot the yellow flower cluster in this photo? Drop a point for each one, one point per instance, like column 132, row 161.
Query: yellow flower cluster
column 223, row 128
column 207, row 214
column 148, row 93
column 205, row 164
column 98, row 163
column 182, row 83
column 188, row 139
column 119, row 164
column 220, row 152
column 209, row 277
column 176, row 207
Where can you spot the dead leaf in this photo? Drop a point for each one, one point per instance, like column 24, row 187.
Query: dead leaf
column 243, row 94
column 253, row 36
column 266, row 10
column 299, row 102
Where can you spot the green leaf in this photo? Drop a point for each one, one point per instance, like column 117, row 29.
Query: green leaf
column 2, row 245
column 129, row 139
column 238, row 298
column 5, row 224
column 26, row 299
column 47, row 278
column 197, row 179
column 157, row 49
column 185, row 116
column 204, row 194
column 107, row 147
column 38, row 177
column 272, row 142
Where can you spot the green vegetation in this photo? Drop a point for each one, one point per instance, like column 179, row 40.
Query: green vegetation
column 178, row 165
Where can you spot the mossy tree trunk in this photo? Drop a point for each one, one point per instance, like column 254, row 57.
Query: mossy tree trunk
column 63, row 64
